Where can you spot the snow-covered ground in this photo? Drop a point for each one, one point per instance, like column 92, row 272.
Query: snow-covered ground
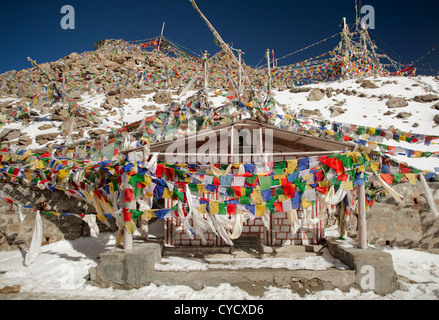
column 61, row 272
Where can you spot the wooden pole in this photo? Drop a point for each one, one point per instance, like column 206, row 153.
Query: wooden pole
column 205, row 71
column 239, row 74
column 161, row 36
column 268, row 70
column 362, row 226
column 224, row 46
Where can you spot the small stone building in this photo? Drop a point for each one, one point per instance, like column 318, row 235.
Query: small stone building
column 245, row 141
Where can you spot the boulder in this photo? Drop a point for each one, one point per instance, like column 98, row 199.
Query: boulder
column 336, row 111
column 300, row 89
column 9, row 134
column 316, row 95
column 403, row 115
column 59, row 113
column 311, row 113
column 45, row 138
column 436, row 119
column 367, row 84
column 46, row 126
column 426, row 98
column 24, row 140
column 97, row 132
column 163, row 97
column 397, row 103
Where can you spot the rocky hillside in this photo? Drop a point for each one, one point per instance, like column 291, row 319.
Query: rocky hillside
column 119, row 84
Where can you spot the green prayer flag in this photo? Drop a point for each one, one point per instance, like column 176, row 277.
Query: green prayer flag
column 244, row 200
column 280, row 167
column 265, row 182
column 398, row 177
column 222, row 208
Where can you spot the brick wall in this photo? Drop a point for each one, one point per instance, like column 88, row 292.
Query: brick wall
column 279, row 233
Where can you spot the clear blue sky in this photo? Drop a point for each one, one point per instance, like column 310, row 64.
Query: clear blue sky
column 405, row 29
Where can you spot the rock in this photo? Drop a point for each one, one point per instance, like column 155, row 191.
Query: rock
column 426, row 98
column 27, row 92
column 336, row 111
column 24, row 140
column 310, row 113
column 82, row 122
column 97, row 132
column 45, row 138
column 163, row 97
column 300, row 89
column 11, row 289
column 436, row 106
column 9, row 134
column 403, row 115
column 113, row 66
column 367, row 84
column 59, row 113
column 75, row 94
column 397, row 102
column 316, row 95
column 436, row 118
column 46, row 126
column 113, row 92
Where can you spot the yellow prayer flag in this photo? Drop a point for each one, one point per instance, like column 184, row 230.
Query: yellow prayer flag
column 411, row 177
column 257, row 197
column 167, row 194
column 292, row 163
column 101, row 218
column 283, row 197
column 260, row 210
column 130, row 226
column 347, row 185
column 325, row 183
column 213, row 207
column 306, row 204
column 279, row 176
column 62, row 173
column 147, row 215
column 374, row 166
column 147, row 181
column 202, row 208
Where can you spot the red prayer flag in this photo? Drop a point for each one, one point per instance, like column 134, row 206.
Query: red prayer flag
column 237, row 190
column 387, row 177
column 128, row 195
column 278, row 206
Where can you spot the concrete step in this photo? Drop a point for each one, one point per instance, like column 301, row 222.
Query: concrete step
column 226, row 252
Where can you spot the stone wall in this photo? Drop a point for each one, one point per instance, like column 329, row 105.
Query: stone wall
column 18, row 235
column 409, row 224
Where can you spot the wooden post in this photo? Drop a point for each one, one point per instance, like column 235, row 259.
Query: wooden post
column 239, row 74
column 362, row 226
column 269, row 71
column 205, row 71
column 161, row 36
